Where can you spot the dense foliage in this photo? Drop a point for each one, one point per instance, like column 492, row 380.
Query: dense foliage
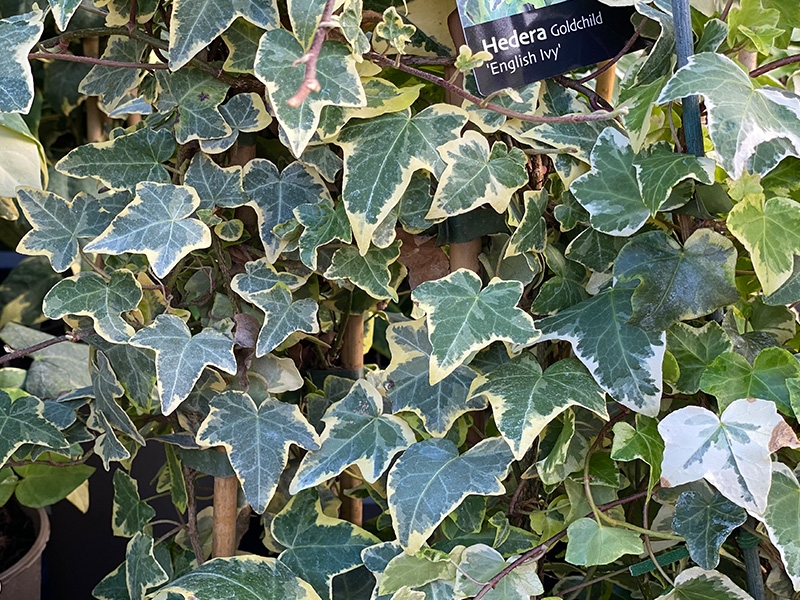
column 604, row 406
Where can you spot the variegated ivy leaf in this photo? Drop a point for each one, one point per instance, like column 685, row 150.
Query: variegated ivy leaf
column 677, row 284
column 282, row 316
column 305, row 16
column 695, row 349
column 274, row 196
column 431, row 479
column 380, row 156
column 142, row 570
column 481, row 563
column 106, row 411
column 731, row 452
column 322, row 223
column 22, row 422
column 113, row 85
column 394, row 30
column 195, row 24
column 369, row 272
column 741, row 115
column 625, row 360
column 782, row 519
column 621, row 192
column 698, row 584
column 261, row 276
column 356, row 432
column 195, row 97
column 642, row 442
column 242, row 39
column 475, row 176
column 276, row 66
column 350, row 22
column 245, row 113
column 730, row 377
column 18, row 35
column 770, row 231
column 459, row 312
column 524, row 399
column 591, row 543
column 706, row 520
column 413, row 570
column 382, row 97
column 181, row 357
column 88, row 294
column 531, row 234
column 130, row 513
column 157, row 224
column 255, row 576
column 318, row 547
column 57, row 224
column 215, row 185
column 125, row 161
column 257, row 440
column 408, row 385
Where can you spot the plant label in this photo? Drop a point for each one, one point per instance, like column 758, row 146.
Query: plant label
column 531, row 40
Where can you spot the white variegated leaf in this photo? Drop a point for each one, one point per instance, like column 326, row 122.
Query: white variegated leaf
column 18, row 35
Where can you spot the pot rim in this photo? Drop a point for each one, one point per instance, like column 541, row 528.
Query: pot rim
column 42, row 525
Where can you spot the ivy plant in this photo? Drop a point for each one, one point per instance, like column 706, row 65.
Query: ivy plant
column 438, row 346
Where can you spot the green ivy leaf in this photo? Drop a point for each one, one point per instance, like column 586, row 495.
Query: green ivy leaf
column 731, row 452
column 282, row 316
column 675, row 283
column 370, row 271
column 42, row 485
column 88, row 294
column 157, row 224
column 244, row 113
column 195, row 97
column 18, row 35
column 256, row 576
column 731, row 377
column 318, row 547
column 274, row 196
column 457, row 313
column 58, row 224
column 195, row 24
column 595, row 250
column 698, row 584
column 741, row 115
column 659, row 170
column 22, row 422
column 181, row 357
column 130, row 514
column 768, row 229
column 408, row 386
column 782, row 518
column 123, row 162
column 380, row 156
column 114, row 85
column 215, row 185
column 695, row 349
column 476, row 176
column 625, row 360
column 593, row 544
column 524, row 399
column 257, row 440
column 706, row 520
column 322, row 223
column 142, row 570
column 643, row 443
column 481, row 563
column 356, row 432
column 431, row 479
column 275, row 66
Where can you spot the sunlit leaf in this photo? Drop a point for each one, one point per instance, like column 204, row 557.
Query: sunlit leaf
column 244, row 113
column 18, row 35
column 696, row 583
column 591, row 543
column 482, row 563
column 114, row 85
column 215, row 185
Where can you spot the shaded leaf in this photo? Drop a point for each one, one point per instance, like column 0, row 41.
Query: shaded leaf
column 22, row 422
column 369, row 271
column 531, row 234
column 129, row 514
column 215, row 185
column 694, row 350
column 660, row 169
column 195, row 97
column 642, row 442
column 257, row 440
column 698, row 584
column 106, row 390
column 42, row 485
column 261, row 276
column 593, row 544
column 482, row 563
column 322, row 223
column 142, row 570
column 244, row 113
column 114, row 85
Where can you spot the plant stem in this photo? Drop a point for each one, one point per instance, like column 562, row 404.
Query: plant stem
column 610, row 63
column 191, row 515
column 74, row 336
column 775, row 64
column 310, row 82
column 96, row 61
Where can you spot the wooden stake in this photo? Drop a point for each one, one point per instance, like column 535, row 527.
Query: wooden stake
column 606, row 82
column 352, row 356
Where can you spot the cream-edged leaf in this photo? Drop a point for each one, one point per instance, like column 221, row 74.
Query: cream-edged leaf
column 158, row 224
column 481, row 563
column 130, row 513
column 195, row 97
column 215, row 185
column 356, row 433
column 244, row 113
column 731, row 452
column 369, row 271
column 114, row 85
column 142, row 570
column 257, row 440
column 322, row 223
column 181, row 357
column 431, row 479
column 698, row 584
column 22, row 422
column 18, row 35
column 458, row 315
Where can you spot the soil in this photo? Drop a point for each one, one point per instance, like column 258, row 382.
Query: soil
column 17, row 534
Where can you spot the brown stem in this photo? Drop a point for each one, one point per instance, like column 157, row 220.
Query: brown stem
column 50, row 463
column 724, row 14
column 596, row 101
column 132, row 19
column 191, row 515
column 610, row 63
column 775, row 64
column 540, row 550
column 574, row 118
column 310, row 81
column 75, row 336
column 96, row 61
